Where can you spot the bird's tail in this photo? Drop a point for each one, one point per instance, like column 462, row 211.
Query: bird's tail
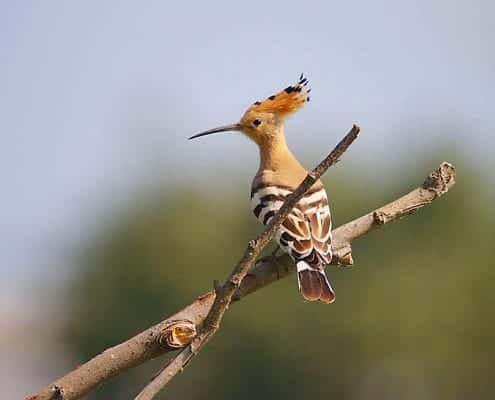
column 313, row 283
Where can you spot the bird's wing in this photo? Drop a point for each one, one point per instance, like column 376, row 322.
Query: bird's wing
column 295, row 234
column 321, row 225
column 316, row 212
column 306, row 232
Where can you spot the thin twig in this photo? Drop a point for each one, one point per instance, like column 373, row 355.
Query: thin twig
column 146, row 345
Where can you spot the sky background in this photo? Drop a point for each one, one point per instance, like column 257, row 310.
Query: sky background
column 98, row 99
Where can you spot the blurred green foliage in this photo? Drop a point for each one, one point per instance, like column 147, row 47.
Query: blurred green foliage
column 413, row 318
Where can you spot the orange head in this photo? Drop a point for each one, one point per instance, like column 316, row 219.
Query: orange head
column 264, row 119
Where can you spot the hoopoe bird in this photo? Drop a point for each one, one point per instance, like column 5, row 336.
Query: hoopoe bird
column 306, row 232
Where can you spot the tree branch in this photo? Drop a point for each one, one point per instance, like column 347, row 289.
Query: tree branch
column 153, row 341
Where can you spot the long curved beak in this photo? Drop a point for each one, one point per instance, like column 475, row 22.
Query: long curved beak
column 225, row 128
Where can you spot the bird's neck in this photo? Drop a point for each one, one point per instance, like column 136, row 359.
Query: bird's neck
column 275, row 156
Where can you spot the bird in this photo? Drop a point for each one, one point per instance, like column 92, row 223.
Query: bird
column 305, row 234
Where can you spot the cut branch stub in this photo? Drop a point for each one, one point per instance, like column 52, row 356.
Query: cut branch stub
column 441, row 180
column 177, row 334
column 344, row 259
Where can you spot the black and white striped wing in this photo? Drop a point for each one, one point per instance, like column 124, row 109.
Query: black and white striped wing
column 316, row 210
column 306, row 232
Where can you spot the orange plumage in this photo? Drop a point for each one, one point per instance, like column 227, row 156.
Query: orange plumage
column 287, row 101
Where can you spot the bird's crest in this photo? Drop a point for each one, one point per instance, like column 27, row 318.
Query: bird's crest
column 287, row 101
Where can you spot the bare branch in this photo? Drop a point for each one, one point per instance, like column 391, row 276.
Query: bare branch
column 148, row 344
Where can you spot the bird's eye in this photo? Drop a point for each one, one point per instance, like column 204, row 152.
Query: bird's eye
column 256, row 122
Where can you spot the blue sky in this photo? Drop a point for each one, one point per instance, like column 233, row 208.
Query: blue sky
column 99, row 96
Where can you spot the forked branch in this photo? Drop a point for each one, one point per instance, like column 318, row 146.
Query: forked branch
column 180, row 329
